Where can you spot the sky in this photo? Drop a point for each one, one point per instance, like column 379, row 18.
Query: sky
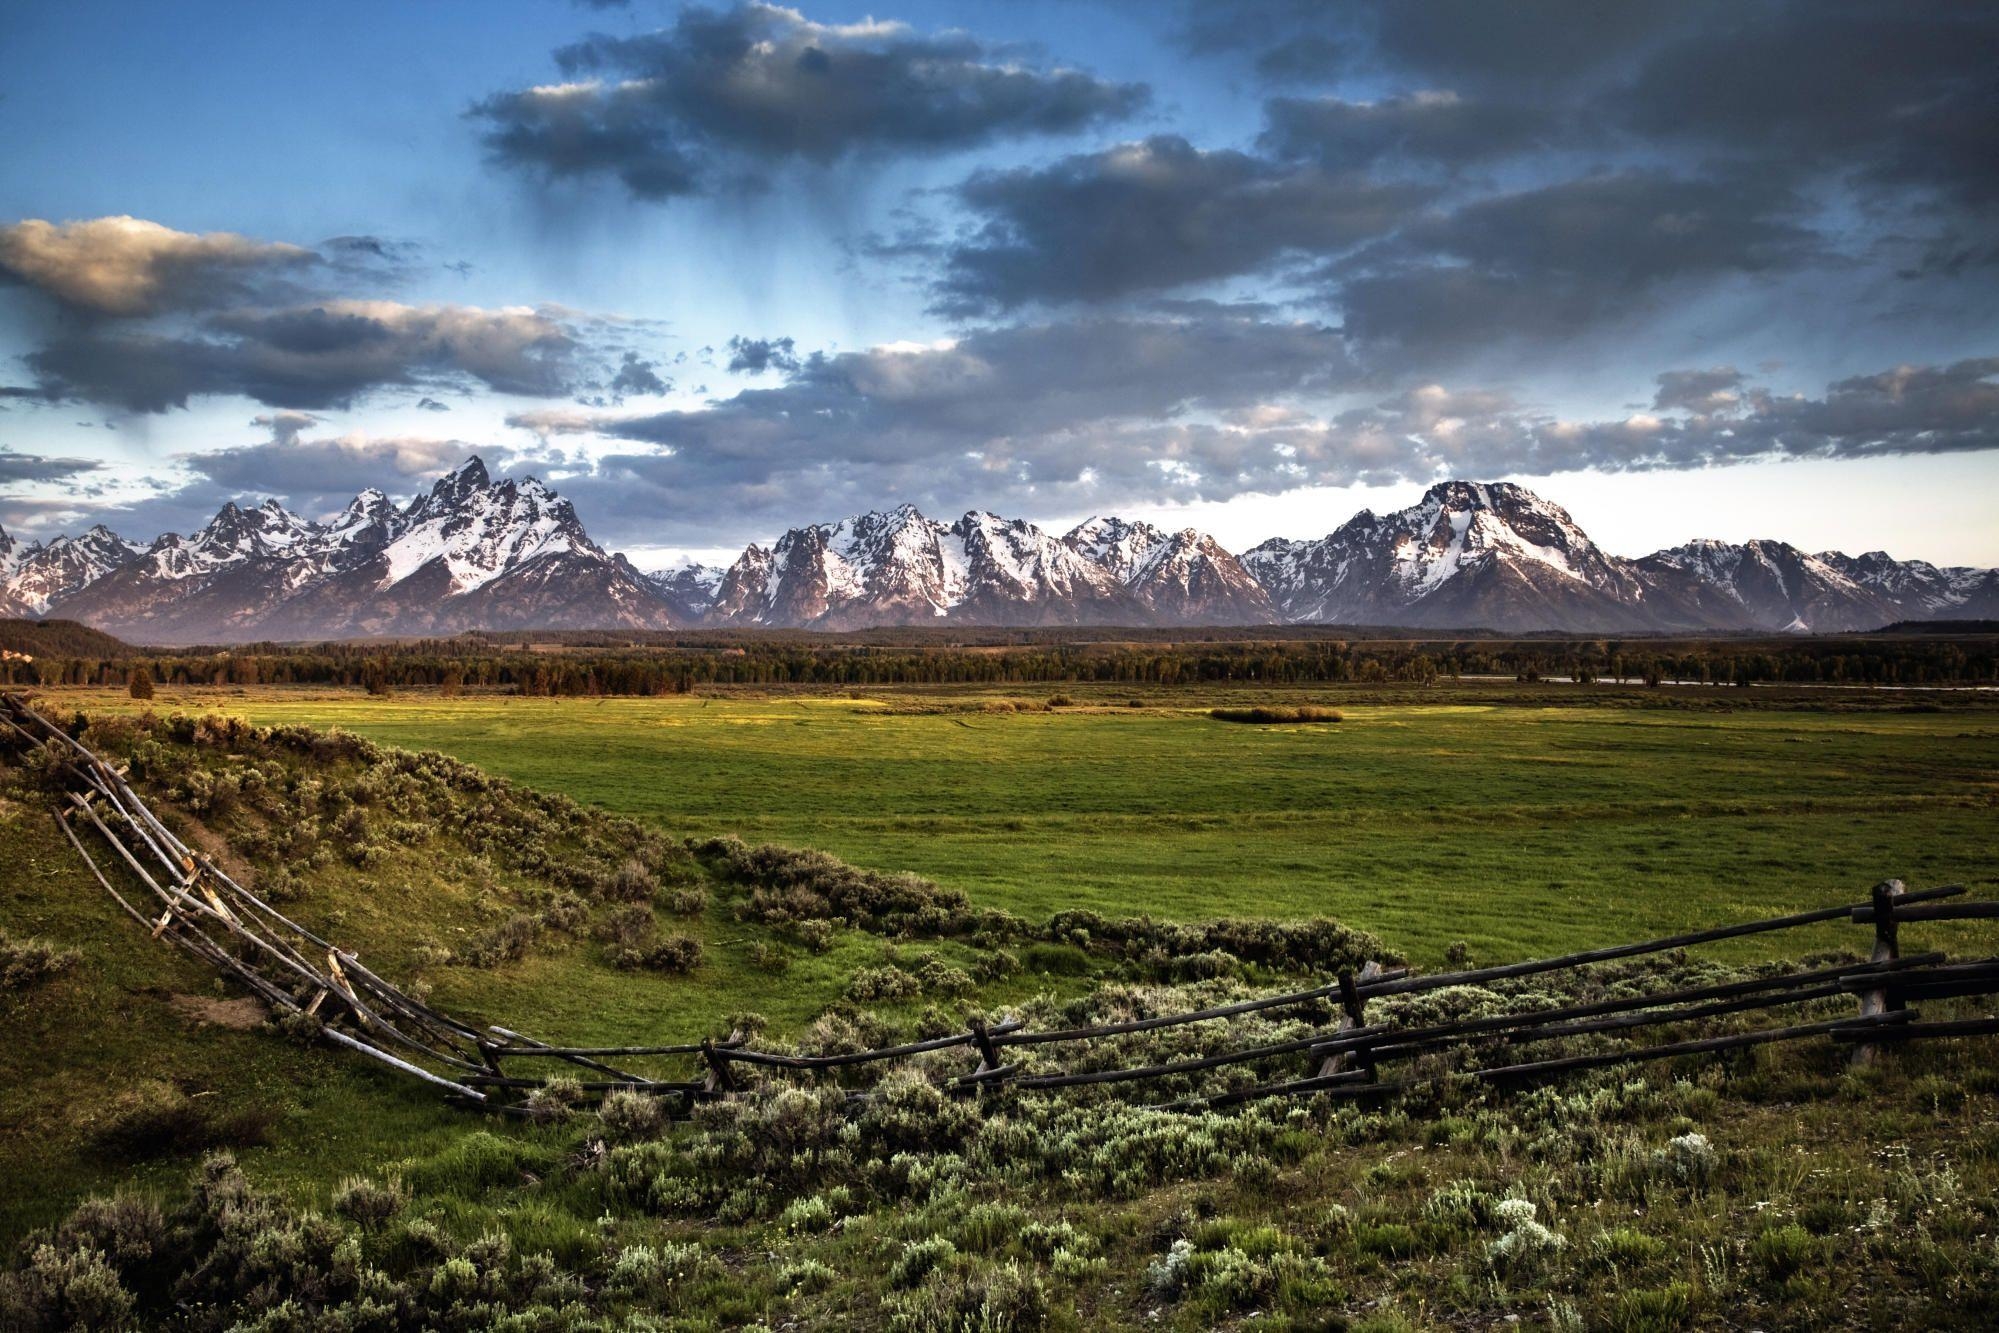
column 1719, row 268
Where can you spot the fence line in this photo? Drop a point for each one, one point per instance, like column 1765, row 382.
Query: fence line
column 310, row 981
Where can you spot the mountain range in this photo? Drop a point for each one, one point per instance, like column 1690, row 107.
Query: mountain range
column 475, row 553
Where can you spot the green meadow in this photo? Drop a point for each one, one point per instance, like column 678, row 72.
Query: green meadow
column 1776, row 1187
column 1521, row 828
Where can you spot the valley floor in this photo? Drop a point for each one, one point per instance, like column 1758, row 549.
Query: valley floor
column 1523, row 820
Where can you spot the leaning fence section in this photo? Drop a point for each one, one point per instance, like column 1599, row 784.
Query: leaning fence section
column 182, row 896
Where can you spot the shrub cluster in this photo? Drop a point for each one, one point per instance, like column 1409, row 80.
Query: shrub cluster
column 233, row 1257
column 789, row 886
column 810, row 892
column 25, row 963
column 633, row 935
column 1276, row 714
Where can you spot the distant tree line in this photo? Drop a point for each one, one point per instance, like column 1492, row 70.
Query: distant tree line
column 480, row 664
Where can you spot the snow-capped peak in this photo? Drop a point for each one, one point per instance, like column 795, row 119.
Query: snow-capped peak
column 452, row 490
column 479, row 530
column 1120, row 547
column 38, row 575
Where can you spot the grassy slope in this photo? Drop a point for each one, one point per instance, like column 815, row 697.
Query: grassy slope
column 83, row 1045
column 1524, row 830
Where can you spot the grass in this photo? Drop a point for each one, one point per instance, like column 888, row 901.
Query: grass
column 87, row 1048
column 1827, row 1196
column 1521, row 830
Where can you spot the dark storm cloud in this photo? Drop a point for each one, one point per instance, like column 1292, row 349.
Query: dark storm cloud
column 754, row 356
column 1897, row 94
column 1594, row 167
column 1440, row 128
column 1556, row 263
column 719, row 91
column 18, row 469
column 1468, row 41
column 314, row 357
column 1153, row 216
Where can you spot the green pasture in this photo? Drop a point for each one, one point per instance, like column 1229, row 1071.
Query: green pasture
column 1522, row 830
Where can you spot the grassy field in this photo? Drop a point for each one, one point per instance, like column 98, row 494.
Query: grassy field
column 1775, row 1187
column 1520, row 829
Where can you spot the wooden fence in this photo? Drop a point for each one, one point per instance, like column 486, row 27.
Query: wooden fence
column 308, row 981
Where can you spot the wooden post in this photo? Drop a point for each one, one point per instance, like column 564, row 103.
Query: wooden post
column 988, row 1053
column 1353, row 1014
column 1887, row 946
column 719, row 1078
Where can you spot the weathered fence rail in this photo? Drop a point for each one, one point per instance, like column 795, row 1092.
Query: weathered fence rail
column 305, row 979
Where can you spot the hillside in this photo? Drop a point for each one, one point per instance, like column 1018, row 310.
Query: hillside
column 61, row 638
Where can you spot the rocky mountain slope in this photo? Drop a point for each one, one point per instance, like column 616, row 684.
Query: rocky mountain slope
column 1175, row 578
column 473, row 553
column 1496, row 556
column 1500, row 557
column 901, row 568
column 34, row 576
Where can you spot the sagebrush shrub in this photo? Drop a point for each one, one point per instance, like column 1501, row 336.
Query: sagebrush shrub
column 631, row 882
column 30, row 962
column 629, row 1116
column 368, row 1203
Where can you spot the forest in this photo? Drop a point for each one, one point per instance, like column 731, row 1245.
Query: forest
column 598, row 664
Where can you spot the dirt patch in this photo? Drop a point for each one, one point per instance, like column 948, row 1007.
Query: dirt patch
column 207, row 841
column 242, row 1015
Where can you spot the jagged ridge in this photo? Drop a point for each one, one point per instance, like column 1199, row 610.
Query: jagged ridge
column 472, row 553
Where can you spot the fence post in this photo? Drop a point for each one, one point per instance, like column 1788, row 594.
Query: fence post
column 1887, row 947
column 719, row 1077
column 1353, row 1014
column 988, row 1053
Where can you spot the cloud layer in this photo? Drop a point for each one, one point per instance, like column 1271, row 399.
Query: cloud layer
column 314, row 356
column 154, row 318
column 731, row 93
column 1153, row 216
column 1066, row 416
column 126, row 266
